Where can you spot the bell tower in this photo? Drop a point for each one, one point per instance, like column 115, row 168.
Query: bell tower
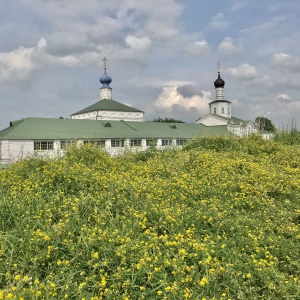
column 220, row 106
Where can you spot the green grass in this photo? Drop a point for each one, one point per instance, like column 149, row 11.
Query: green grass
column 218, row 220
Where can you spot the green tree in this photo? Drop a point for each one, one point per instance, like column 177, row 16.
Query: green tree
column 167, row 120
column 265, row 124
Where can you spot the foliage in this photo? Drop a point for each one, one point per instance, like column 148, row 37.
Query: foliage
column 219, row 221
column 288, row 135
column 254, row 144
column 167, row 120
column 265, row 124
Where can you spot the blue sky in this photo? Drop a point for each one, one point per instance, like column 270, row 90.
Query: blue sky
column 162, row 56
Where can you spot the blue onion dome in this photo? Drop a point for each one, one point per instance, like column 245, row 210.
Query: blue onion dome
column 219, row 83
column 105, row 79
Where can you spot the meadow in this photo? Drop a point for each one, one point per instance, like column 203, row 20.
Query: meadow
column 217, row 220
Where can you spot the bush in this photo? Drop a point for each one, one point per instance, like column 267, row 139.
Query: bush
column 200, row 223
column 288, row 135
column 251, row 145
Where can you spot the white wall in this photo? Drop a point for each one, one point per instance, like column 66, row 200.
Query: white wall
column 222, row 109
column 111, row 116
column 267, row 135
column 242, row 130
column 12, row 151
column 105, row 93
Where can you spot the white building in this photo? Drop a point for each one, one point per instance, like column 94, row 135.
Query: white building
column 220, row 113
column 116, row 127
column 49, row 136
column 106, row 108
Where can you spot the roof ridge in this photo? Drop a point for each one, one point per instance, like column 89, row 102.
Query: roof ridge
column 107, row 105
column 128, row 125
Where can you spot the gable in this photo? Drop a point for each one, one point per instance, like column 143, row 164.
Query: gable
column 213, row 120
column 107, row 105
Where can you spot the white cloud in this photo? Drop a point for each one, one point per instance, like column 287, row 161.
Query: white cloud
column 198, row 47
column 160, row 35
column 218, row 22
column 284, row 98
column 68, row 43
column 42, row 43
column 161, row 82
column 267, row 26
column 238, row 6
column 228, row 46
column 143, row 43
column 124, row 30
column 171, row 101
column 84, row 59
column 19, row 63
column 286, row 61
column 137, row 17
column 243, row 72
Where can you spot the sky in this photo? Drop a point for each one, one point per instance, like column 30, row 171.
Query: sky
column 161, row 54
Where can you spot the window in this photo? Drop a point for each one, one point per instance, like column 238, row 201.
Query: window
column 43, row 145
column 100, row 142
column 135, row 143
column 180, row 142
column 223, row 110
column 117, row 143
column 215, row 110
column 92, row 142
column 166, row 142
column 152, row 142
column 65, row 144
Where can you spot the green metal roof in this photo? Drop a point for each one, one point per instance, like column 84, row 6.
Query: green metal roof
column 52, row 129
column 107, row 105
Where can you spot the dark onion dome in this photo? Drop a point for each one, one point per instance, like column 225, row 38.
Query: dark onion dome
column 105, row 79
column 219, row 83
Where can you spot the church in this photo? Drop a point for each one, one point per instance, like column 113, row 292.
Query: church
column 106, row 108
column 115, row 126
column 220, row 113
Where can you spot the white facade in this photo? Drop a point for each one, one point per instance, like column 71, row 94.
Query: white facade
column 13, row 150
column 267, row 135
column 242, row 130
column 111, row 115
column 105, row 93
column 237, row 127
column 221, row 108
column 219, row 93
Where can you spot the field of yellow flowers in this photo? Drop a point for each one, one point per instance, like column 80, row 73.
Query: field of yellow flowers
column 218, row 220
